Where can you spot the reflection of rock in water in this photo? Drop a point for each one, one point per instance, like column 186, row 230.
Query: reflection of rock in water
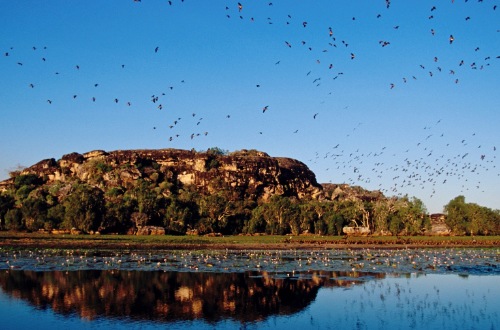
column 168, row 296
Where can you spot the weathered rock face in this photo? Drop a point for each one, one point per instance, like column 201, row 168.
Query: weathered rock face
column 250, row 174
column 151, row 230
column 438, row 225
column 356, row 231
column 334, row 191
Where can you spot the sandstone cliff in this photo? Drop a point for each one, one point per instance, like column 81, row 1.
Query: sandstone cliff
column 252, row 174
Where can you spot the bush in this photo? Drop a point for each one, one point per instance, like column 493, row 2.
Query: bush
column 103, row 167
column 26, row 180
column 14, row 220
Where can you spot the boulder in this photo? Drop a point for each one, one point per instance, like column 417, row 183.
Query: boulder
column 150, row 230
column 356, row 231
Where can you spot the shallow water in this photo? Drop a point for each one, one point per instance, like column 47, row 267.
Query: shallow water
column 428, row 261
column 344, row 289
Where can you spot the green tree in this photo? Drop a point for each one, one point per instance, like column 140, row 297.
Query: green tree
column 84, row 208
column 27, row 180
column 335, row 222
column 177, row 217
column 34, row 211
column 282, row 216
column 353, row 211
column 7, row 202
column 396, row 224
column 470, row 218
column 414, row 215
column 55, row 217
column 214, row 212
column 257, row 222
column 14, row 220
column 148, row 202
column 457, row 215
column 118, row 212
column 381, row 211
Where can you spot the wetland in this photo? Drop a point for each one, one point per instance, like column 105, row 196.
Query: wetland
column 227, row 288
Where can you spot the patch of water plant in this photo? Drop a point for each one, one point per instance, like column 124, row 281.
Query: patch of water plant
column 467, row 261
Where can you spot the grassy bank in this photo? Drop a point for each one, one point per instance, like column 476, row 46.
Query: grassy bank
column 38, row 240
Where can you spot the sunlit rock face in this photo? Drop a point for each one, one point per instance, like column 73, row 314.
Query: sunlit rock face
column 250, row 174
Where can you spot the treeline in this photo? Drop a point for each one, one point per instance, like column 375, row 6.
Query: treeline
column 32, row 204
column 471, row 219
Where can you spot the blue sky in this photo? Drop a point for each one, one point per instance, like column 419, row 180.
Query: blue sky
column 434, row 135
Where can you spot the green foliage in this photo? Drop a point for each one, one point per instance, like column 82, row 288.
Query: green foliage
column 14, row 220
column 55, row 216
column 34, row 211
column 396, row 224
column 102, row 167
column 178, row 217
column 471, row 219
column 280, row 215
column 161, row 199
column 352, row 211
column 23, row 192
column 117, row 213
column 457, row 217
column 214, row 212
column 335, row 222
column 84, row 208
column 114, row 192
column 212, row 163
column 7, row 202
column 216, row 151
column 257, row 222
column 146, row 199
column 26, row 180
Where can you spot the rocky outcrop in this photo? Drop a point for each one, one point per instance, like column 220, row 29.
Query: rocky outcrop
column 356, row 231
column 150, row 230
column 249, row 173
column 438, row 225
column 333, row 191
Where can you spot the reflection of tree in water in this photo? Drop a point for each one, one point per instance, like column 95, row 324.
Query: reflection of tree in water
column 169, row 296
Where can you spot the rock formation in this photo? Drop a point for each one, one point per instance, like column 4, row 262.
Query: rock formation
column 252, row 174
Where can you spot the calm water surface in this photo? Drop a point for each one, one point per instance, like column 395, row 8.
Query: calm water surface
column 359, row 289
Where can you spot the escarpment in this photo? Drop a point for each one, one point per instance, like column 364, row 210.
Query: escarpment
column 249, row 174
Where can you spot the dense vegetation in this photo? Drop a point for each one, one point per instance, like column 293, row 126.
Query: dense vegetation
column 159, row 199
column 471, row 219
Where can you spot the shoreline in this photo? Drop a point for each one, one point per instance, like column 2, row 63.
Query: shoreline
column 264, row 242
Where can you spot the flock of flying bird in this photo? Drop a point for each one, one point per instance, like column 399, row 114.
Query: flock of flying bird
column 431, row 169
